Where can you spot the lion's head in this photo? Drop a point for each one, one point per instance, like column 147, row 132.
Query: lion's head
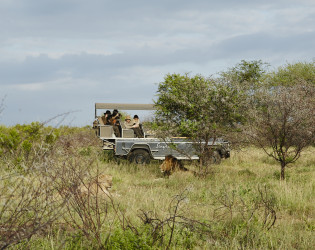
column 105, row 181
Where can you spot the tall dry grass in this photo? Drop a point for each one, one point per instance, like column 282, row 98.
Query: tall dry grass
column 240, row 204
column 238, row 181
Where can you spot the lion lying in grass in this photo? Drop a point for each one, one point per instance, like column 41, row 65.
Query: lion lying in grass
column 98, row 186
column 170, row 165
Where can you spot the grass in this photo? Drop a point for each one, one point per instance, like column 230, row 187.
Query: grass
column 230, row 208
column 143, row 188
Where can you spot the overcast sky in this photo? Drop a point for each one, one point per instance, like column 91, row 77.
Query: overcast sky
column 58, row 56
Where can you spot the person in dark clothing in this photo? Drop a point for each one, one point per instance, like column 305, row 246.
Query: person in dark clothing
column 107, row 117
column 115, row 122
column 137, row 127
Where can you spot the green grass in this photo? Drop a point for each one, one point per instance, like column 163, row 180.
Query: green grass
column 245, row 172
column 228, row 200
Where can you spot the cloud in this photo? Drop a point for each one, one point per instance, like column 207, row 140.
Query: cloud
column 61, row 55
column 266, row 46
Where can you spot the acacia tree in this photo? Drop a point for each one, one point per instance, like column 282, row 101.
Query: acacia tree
column 281, row 113
column 293, row 74
column 246, row 76
column 197, row 107
column 282, row 122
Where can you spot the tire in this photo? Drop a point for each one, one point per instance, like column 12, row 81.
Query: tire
column 216, row 158
column 140, row 156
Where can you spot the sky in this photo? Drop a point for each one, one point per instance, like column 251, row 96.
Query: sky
column 62, row 56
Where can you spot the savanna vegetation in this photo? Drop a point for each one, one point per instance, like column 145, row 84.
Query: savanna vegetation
column 245, row 202
column 246, row 104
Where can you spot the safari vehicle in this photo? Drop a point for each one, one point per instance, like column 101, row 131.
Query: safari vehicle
column 142, row 150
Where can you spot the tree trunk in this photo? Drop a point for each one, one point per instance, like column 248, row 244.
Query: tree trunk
column 200, row 162
column 282, row 176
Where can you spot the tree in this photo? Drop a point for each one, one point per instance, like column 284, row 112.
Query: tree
column 245, row 76
column 293, row 74
column 281, row 113
column 282, row 122
column 197, row 107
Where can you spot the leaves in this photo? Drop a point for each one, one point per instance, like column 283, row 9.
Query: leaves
column 187, row 105
column 283, row 122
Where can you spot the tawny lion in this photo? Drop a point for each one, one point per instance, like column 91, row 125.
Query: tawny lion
column 171, row 164
column 98, row 186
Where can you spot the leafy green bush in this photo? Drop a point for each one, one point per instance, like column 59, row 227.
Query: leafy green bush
column 9, row 139
column 128, row 239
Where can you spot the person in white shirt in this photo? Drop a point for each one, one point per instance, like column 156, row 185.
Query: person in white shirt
column 134, row 125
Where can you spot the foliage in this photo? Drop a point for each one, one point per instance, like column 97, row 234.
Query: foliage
column 196, row 107
column 246, row 75
column 228, row 210
column 279, row 107
column 23, row 139
column 283, row 122
column 37, row 159
column 293, row 74
column 240, row 206
column 26, row 144
column 280, row 117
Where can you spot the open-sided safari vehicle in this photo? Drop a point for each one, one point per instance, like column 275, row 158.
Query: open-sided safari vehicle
column 142, row 150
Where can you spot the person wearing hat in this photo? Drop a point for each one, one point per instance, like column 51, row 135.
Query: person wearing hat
column 128, row 123
column 107, row 117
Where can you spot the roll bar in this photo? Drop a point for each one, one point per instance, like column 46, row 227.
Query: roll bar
column 123, row 106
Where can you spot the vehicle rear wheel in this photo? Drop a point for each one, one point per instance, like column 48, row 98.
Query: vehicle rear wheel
column 216, row 157
column 212, row 157
column 139, row 156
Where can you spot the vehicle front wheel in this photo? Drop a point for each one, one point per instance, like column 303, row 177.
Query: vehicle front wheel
column 139, row 156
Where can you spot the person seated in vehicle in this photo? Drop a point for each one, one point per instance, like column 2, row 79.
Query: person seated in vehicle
column 115, row 122
column 107, row 117
column 128, row 123
column 95, row 123
column 131, row 124
column 95, row 126
column 137, row 127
